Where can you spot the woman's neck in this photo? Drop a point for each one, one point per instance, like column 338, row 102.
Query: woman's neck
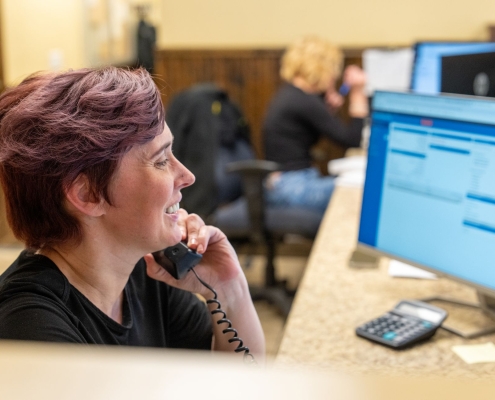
column 99, row 276
column 303, row 84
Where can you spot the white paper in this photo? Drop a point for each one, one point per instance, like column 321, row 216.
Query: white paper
column 351, row 179
column 346, row 164
column 388, row 69
column 402, row 270
column 476, row 353
column 350, row 171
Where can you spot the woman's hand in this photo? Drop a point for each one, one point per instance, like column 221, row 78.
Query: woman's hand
column 354, row 77
column 358, row 102
column 218, row 267
column 334, row 99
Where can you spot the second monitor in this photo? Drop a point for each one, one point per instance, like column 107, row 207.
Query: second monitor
column 426, row 74
column 472, row 74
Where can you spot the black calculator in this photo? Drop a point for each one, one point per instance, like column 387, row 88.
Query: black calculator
column 409, row 322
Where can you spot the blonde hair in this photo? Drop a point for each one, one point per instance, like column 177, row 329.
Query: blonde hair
column 315, row 60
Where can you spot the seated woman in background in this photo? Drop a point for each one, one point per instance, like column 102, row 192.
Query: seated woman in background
column 92, row 188
column 303, row 111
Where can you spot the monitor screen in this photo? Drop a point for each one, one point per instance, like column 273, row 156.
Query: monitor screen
column 426, row 75
column 472, row 74
column 429, row 195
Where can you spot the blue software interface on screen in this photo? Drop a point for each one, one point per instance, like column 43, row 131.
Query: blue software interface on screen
column 426, row 76
column 429, row 194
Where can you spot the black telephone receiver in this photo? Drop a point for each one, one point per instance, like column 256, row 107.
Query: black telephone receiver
column 177, row 260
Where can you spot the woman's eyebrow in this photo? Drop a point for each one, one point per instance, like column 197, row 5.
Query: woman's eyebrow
column 161, row 149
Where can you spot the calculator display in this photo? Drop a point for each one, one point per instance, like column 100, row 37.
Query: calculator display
column 419, row 312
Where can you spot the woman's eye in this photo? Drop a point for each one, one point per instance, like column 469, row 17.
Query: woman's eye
column 161, row 164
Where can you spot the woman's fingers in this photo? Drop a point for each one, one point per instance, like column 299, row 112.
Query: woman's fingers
column 156, row 271
column 182, row 222
column 193, row 224
column 203, row 238
column 334, row 99
column 198, row 234
column 354, row 76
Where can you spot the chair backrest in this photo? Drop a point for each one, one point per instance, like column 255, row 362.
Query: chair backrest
column 210, row 132
column 230, row 185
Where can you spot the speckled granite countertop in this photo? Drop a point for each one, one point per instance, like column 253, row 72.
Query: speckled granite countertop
column 333, row 299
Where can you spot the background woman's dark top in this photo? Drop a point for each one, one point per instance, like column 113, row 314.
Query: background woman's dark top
column 37, row 302
column 296, row 120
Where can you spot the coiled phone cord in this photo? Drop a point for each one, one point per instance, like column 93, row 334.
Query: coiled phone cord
column 248, row 357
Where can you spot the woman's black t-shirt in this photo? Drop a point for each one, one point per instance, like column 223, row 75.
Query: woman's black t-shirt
column 38, row 303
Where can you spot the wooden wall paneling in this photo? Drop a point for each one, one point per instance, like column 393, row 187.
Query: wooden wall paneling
column 491, row 33
column 249, row 76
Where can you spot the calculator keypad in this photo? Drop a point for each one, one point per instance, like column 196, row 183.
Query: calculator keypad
column 395, row 329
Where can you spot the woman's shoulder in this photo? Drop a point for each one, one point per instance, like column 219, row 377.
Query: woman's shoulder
column 288, row 91
column 32, row 274
column 290, row 96
column 33, row 293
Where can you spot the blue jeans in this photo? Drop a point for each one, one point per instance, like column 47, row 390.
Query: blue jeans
column 305, row 188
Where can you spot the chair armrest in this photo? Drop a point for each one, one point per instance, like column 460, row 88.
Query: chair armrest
column 255, row 167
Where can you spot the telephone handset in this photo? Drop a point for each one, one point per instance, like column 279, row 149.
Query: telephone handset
column 178, row 260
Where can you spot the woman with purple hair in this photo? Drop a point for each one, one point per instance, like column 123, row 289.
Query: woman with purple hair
column 92, row 188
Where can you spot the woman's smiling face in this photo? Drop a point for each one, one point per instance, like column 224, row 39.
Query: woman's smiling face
column 145, row 195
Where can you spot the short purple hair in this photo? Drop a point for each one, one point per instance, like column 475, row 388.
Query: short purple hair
column 54, row 127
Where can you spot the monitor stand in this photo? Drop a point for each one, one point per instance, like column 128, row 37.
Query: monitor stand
column 363, row 259
column 486, row 305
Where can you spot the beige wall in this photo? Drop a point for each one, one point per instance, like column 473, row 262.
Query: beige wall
column 35, row 29
column 38, row 33
column 51, row 34
column 268, row 23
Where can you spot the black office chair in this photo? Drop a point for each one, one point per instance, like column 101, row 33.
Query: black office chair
column 209, row 132
column 212, row 140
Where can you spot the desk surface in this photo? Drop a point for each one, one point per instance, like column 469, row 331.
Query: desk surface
column 333, row 299
column 52, row 371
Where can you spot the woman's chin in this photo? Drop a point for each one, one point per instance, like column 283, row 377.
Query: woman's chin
column 174, row 239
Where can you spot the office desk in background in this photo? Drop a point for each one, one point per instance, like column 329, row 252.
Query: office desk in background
column 333, row 299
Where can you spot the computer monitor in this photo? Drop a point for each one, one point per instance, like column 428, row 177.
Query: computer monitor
column 472, row 74
column 429, row 194
column 426, row 73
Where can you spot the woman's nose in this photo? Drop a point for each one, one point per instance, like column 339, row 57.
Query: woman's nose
column 186, row 177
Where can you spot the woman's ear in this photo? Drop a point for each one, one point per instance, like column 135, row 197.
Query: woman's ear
column 80, row 197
